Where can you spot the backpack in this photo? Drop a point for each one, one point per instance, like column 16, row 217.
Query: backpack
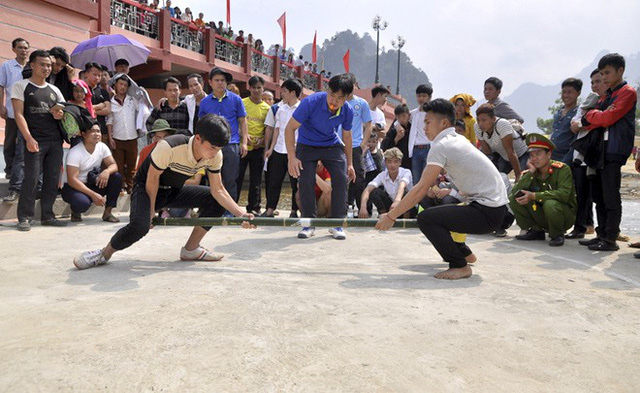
column 74, row 119
column 515, row 124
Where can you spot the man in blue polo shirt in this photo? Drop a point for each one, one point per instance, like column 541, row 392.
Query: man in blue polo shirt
column 360, row 132
column 318, row 120
column 224, row 103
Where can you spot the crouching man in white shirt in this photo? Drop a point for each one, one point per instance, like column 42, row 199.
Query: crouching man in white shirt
column 474, row 174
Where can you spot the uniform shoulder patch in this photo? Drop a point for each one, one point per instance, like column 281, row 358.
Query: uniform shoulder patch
column 557, row 164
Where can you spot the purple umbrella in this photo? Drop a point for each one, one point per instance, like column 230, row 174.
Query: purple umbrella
column 106, row 49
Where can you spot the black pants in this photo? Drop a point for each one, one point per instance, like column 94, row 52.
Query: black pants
column 48, row 161
column 584, row 213
column 277, row 167
column 81, row 202
column 334, row 159
column 140, row 213
column 605, row 189
column 255, row 161
column 438, row 222
column 230, row 167
column 356, row 189
column 10, row 142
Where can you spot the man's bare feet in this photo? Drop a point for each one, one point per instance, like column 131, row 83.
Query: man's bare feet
column 471, row 258
column 455, row 273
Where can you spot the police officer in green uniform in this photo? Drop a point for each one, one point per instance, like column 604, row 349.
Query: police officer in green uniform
column 544, row 199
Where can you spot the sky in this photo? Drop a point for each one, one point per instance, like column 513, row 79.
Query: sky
column 458, row 43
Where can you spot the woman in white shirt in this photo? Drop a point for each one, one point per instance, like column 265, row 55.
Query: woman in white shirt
column 498, row 140
column 87, row 182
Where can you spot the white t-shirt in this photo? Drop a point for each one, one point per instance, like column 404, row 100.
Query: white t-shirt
column 270, row 120
column 471, row 171
column 377, row 117
column 417, row 135
column 502, row 130
column 80, row 158
column 284, row 114
column 391, row 186
column 123, row 118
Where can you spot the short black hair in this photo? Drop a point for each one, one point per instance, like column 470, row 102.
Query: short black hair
column 441, row 107
column 614, row 60
column 18, row 40
column 596, row 71
column 254, row 80
column 497, row 83
column 425, row 89
column 197, row 76
column 92, row 64
column 573, row 82
column 400, row 109
column 294, row 85
column 122, row 78
column 171, row 80
column 123, row 62
column 59, row 53
column 379, row 90
column 38, row 53
column 213, row 129
column 343, row 83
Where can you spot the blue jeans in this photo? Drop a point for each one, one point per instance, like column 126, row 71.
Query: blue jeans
column 419, row 161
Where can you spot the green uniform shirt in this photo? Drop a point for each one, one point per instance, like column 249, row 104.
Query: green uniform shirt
column 556, row 185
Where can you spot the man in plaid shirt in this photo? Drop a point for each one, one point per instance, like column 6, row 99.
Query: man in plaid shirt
column 171, row 110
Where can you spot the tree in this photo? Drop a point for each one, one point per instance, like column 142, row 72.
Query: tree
column 546, row 125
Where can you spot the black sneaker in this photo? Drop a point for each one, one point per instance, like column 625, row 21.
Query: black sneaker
column 24, row 226
column 76, row 217
column 53, row 222
column 589, row 242
column 604, row 245
column 500, row 232
column 636, row 254
column 531, row 234
column 575, row 235
column 11, row 197
column 557, row 241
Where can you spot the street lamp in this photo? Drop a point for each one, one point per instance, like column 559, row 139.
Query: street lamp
column 398, row 45
column 378, row 24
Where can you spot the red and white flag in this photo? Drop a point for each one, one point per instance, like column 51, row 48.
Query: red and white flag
column 345, row 60
column 228, row 12
column 282, row 21
column 314, row 53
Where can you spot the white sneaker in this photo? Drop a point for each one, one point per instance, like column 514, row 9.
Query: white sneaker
column 338, row 233
column 89, row 259
column 199, row 254
column 306, row 232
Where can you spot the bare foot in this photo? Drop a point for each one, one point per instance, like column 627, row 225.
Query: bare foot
column 455, row 273
column 471, row 258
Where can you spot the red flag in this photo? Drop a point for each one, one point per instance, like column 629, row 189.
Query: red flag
column 282, row 21
column 345, row 60
column 228, row 12
column 314, row 54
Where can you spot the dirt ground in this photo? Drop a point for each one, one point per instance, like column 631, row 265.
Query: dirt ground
column 282, row 314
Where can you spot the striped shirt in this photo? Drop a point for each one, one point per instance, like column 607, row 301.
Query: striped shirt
column 174, row 157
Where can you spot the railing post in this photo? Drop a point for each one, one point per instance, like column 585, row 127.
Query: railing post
column 300, row 74
column 210, row 45
column 104, row 16
column 276, row 70
column 164, row 30
column 319, row 84
column 246, row 58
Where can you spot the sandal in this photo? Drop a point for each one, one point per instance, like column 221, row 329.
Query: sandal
column 635, row 245
column 110, row 218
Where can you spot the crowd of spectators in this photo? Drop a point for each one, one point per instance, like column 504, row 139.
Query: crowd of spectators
column 106, row 118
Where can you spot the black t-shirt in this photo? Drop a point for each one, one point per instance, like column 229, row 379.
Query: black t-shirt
column 38, row 100
column 100, row 95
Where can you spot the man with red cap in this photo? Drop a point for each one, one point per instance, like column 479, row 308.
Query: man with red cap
column 544, row 199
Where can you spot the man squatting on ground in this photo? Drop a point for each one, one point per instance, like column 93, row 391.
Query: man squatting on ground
column 160, row 183
column 474, row 174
